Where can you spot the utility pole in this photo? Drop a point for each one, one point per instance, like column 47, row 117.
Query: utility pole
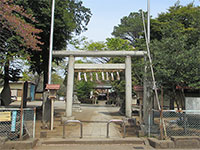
column 148, row 25
column 51, row 41
column 50, row 60
column 147, row 103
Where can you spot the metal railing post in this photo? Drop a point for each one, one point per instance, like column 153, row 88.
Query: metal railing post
column 81, row 126
column 108, row 129
column 73, row 121
column 123, row 124
column 124, row 135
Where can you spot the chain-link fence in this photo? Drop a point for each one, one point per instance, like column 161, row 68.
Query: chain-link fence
column 177, row 123
column 16, row 124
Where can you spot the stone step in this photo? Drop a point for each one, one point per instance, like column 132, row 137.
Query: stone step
column 55, row 141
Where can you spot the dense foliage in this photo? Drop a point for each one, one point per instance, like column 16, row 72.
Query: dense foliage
column 83, row 89
column 130, row 28
column 176, row 47
column 175, row 40
column 71, row 18
column 15, row 35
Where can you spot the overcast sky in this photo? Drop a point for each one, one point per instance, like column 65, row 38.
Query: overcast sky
column 107, row 13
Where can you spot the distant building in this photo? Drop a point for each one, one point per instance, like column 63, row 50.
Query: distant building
column 17, row 90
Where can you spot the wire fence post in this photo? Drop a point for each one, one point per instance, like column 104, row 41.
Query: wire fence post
column 161, row 115
column 34, row 122
column 21, row 123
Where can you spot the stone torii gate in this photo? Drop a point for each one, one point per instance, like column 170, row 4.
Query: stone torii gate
column 72, row 66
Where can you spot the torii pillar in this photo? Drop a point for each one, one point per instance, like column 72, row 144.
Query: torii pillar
column 70, row 87
column 128, row 79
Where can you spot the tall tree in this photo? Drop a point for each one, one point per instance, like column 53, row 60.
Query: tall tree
column 176, row 54
column 174, row 44
column 71, row 17
column 176, row 47
column 130, row 27
column 15, row 35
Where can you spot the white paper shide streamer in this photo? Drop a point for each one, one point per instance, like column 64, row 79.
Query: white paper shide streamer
column 118, row 76
column 79, row 76
column 112, row 76
column 97, row 77
column 85, row 77
column 102, row 74
column 91, row 76
column 107, row 76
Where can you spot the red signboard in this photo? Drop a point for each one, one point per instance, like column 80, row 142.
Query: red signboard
column 52, row 87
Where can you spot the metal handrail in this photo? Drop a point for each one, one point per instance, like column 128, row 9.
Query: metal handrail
column 73, row 121
column 120, row 121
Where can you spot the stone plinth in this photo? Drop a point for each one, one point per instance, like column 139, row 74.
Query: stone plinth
column 161, row 144
column 186, row 141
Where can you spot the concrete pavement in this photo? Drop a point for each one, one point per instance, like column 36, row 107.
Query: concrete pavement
column 96, row 126
column 93, row 117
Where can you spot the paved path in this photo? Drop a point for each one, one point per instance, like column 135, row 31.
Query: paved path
column 94, row 118
column 96, row 126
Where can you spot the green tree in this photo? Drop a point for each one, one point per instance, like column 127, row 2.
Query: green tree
column 16, row 36
column 176, row 54
column 83, row 89
column 130, row 28
column 175, row 47
column 71, row 18
column 174, row 44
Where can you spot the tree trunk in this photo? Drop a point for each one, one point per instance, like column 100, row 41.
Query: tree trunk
column 182, row 99
column 46, row 65
column 45, row 75
column 171, row 106
column 176, row 99
column 6, row 73
column 6, row 92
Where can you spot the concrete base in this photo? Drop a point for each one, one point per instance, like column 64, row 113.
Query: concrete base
column 18, row 145
column 186, row 141
column 161, row 144
column 63, row 119
column 182, row 142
